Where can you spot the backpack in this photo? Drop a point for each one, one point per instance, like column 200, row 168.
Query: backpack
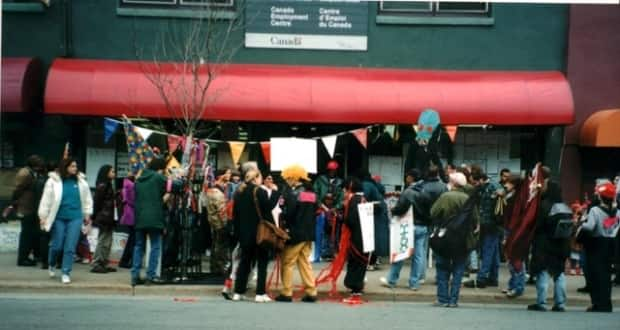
column 561, row 221
column 449, row 237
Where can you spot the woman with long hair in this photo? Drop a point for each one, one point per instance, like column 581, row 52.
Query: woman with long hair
column 249, row 200
column 104, row 217
column 65, row 205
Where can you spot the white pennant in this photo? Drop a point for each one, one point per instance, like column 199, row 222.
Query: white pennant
column 330, row 144
column 390, row 129
column 144, row 132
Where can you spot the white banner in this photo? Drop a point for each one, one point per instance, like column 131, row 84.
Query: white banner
column 291, row 151
column 367, row 224
column 401, row 237
column 305, row 41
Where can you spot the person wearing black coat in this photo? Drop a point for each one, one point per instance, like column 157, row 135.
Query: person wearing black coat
column 105, row 215
column 549, row 254
column 300, row 221
column 248, row 196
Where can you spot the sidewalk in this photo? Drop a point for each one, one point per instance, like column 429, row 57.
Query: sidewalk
column 15, row 279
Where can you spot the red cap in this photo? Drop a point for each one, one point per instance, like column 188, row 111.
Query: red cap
column 606, row 190
column 332, row 165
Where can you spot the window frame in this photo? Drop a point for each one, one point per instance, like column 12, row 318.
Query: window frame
column 434, row 10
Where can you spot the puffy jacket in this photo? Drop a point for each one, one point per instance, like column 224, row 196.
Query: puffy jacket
column 149, row 209
column 104, row 206
column 299, row 214
column 415, row 196
column 52, row 196
column 434, row 188
column 323, row 186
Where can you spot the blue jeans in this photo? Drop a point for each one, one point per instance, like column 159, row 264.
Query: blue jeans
column 448, row 291
column 138, row 251
column 559, row 289
column 418, row 260
column 319, row 230
column 472, row 259
column 517, row 279
column 65, row 237
column 489, row 266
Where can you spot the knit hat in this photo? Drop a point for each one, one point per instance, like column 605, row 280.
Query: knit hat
column 606, row 190
column 458, row 179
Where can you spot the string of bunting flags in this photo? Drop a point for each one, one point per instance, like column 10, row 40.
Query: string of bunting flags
column 140, row 135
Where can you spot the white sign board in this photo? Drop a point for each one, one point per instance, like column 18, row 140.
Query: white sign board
column 95, row 158
column 367, row 224
column 291, row 151
column 401, row 237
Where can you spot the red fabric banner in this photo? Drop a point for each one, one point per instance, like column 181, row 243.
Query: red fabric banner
column 266, row 148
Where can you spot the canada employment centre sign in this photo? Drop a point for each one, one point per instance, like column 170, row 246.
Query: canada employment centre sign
column 323, row 24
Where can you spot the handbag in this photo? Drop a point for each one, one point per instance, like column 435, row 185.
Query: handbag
column 268, row 235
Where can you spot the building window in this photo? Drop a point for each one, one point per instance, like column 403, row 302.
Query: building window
column 434, row 8
column 178, row 4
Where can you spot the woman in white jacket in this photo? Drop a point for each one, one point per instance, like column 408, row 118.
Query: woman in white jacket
column 66, row 204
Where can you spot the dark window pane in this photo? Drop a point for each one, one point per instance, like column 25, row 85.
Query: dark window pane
column 462, row 7
column 405, row 6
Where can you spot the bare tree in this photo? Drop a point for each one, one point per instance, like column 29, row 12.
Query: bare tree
column 196, row 49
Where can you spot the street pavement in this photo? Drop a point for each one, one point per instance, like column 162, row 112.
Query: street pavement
column 15, row 279
column 123, row 312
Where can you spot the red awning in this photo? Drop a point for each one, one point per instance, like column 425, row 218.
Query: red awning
column 280, row 93
column 21, row 84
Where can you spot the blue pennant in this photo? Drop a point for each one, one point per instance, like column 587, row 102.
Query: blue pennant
column 109, row 126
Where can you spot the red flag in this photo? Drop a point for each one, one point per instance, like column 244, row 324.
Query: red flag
column 361, row 135
column 522, row 221
column 266, row 147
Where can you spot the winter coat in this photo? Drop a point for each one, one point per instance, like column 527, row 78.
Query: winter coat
column 52, row 196
column 245, row 217
column 434, row 187
column 129, row 202
column 28, row 190
column 299, row 214
column 216, row 208
column 150, row 189
column 448, row 205
column 104, row 212
column 415, row 196
column 548, row 253
column 322, row 187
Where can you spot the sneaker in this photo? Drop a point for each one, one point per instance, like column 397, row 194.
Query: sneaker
column 353, row 299
column 505, row 291
column 385, row 283
column 238, row 297
column 51, row 272
column 413, row 288
column 371, row 268
column 453, row 305
column 422, row 281
column 438, row 304
column 513, row 294
column 262, row 298
column 536, row 307
column 309, row 299
column 557, row 308
column 66, row 279
column 98, row 270
column 283, row 298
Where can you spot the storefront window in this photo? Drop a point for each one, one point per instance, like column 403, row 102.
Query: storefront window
column 434, row 8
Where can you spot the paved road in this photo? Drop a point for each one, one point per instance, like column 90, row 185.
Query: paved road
column 121, row 312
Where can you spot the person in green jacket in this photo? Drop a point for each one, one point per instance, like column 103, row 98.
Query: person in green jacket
column 149, row 218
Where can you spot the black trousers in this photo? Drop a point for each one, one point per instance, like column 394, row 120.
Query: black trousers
column 356, row 272
column 128, row 251
column 44, row 247
column 599, row 253
column 28, row 237
column 249, row 256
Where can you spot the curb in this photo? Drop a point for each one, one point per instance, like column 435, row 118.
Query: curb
column 212, row 290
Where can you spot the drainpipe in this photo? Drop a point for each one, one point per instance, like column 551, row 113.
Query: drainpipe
column 68, row 28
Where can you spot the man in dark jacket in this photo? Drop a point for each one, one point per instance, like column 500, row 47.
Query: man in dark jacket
column 150, row 218
column 413, row 197
column 549, row 254
column 28, row 190
column 298, row 214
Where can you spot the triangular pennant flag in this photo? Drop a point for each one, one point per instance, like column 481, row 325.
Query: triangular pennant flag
column 173, row 142
column 173, row 163
column 330, row 144
column 144, row 132
column 109, row 127
column 452, row 132
column 266, row 148
column 390, row 129
column 361, row 135
column 236, row 149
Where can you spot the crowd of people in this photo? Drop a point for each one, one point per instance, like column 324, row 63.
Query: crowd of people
column 322, row 222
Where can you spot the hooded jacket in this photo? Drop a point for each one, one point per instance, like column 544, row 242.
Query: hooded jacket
column 150, row 188
column 52, row 196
